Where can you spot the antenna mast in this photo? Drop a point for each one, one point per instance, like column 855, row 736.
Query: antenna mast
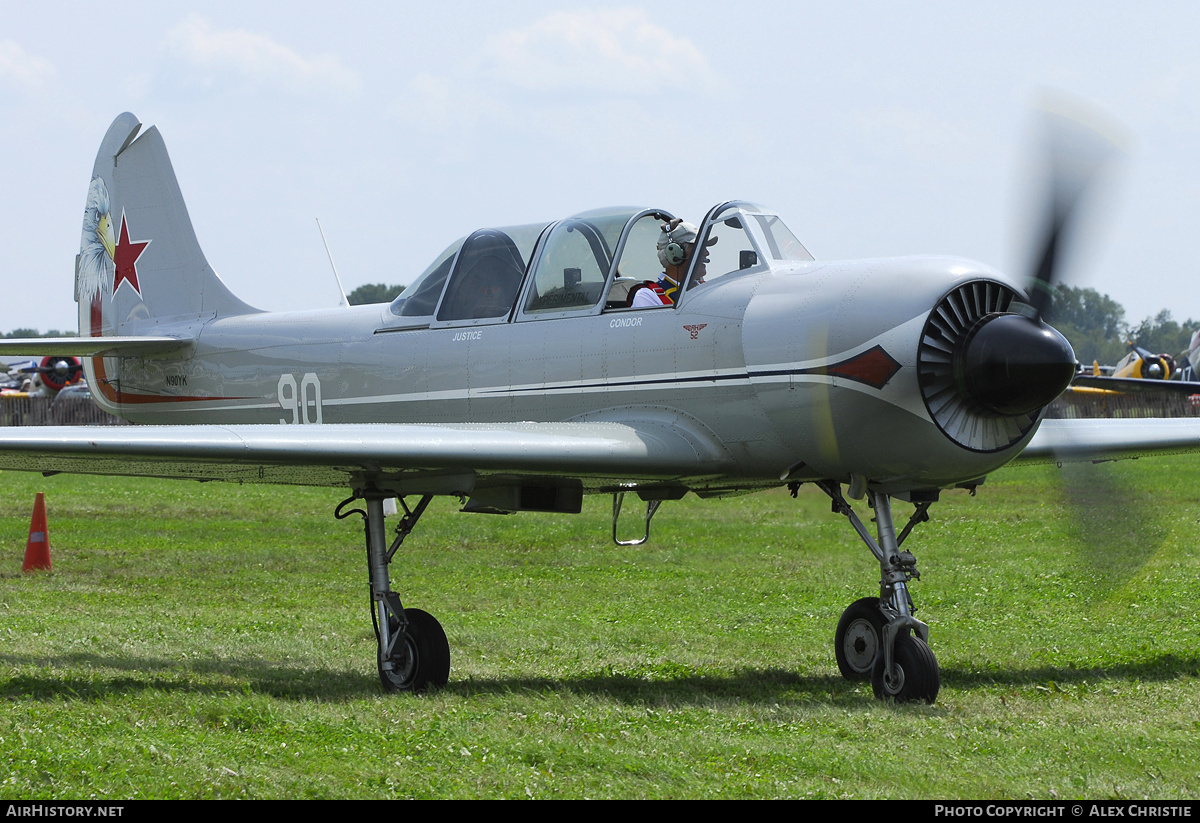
column 341, row 290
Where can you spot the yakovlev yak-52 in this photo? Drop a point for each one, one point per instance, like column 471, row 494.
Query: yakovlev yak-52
column 520, row 372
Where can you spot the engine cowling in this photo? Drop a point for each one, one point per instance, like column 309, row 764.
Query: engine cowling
column 59, row 372
column 987, row 372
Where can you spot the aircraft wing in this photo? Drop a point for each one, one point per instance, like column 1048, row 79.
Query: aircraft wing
column 421, row 458
column 426, row 458
column 1135, row 384
column 1112, row 439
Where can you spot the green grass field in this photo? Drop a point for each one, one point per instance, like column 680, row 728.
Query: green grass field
column 215, row 641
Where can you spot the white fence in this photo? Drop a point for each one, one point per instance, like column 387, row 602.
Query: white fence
column 45, row 411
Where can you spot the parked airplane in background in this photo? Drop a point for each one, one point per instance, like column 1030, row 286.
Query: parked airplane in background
column 1143, row 371
column 43, row 378
column 1144, row 364
column 513, row 375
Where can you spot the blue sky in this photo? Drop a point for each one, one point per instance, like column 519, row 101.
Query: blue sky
column 874, row 129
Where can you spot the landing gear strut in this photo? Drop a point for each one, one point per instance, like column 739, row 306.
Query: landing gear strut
column 875, row 637
column 414, row 654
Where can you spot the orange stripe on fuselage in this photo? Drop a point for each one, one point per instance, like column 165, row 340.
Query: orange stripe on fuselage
column 118, row 397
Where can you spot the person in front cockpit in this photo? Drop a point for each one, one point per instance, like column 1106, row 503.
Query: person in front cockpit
column 676, row 247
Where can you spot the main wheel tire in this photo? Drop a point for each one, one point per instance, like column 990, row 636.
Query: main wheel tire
column 916, row 676
column 422, row 657
column 858, row 639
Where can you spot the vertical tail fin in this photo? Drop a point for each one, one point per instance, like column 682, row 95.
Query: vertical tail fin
column 138, row 257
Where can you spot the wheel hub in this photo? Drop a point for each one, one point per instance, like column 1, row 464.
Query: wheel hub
column 861, row 644
column 893, row 681
column 404, row 662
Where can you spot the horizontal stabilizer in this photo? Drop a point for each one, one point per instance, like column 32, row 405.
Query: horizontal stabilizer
column 95, row 346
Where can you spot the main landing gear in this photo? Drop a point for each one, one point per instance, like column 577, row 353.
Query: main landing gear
column 875, row 637
column 414, row 654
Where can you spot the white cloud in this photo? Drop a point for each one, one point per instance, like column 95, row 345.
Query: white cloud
column 257, row 59
column 594, row 79
column 916, row 138
column 617, row 51
column 24, row 70
column 445, row 105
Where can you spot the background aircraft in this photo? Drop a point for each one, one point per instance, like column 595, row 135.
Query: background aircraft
column 1143, row 371
column 46, row 377
column 1144, row 364
column 508, row 376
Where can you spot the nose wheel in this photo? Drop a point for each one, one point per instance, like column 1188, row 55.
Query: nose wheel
column 914, row 674
column 858, row 639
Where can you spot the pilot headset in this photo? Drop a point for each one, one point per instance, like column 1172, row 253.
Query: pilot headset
column 672, row 253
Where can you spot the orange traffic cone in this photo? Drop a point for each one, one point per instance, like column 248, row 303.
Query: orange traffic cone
column 37, row 550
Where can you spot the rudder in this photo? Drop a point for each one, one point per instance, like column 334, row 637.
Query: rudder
column 139, row 260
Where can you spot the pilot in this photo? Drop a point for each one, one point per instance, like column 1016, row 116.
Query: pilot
column 676, row 246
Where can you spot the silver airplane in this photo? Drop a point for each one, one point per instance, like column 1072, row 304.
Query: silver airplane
column 515, row 375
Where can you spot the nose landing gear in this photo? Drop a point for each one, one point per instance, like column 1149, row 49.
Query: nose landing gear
column 878, row 639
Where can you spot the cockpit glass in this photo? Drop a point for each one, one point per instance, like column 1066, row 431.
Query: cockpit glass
column 488, row 273
column 480, row 276
column 728, row 248
column 421, row 296
column 485, row 270
column 741, row 237
column 573, row 266
column 781, row 243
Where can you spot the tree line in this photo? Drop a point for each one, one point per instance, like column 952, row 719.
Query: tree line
column 373, row 293
column 1095, row 325
column 20, row 334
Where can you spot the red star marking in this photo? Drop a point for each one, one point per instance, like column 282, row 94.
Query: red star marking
column 125, row 257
